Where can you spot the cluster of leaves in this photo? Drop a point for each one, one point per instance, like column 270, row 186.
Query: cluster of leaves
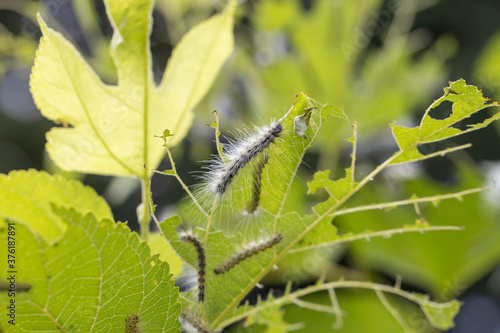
column 90, row 273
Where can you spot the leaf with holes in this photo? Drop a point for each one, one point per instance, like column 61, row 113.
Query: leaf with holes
column 466, row 100
column 285, row 156
column 296, row 232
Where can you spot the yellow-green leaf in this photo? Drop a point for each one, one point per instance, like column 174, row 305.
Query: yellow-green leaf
column 26, row 196
column 466, row 100
column 159, row 245
column 112, row 128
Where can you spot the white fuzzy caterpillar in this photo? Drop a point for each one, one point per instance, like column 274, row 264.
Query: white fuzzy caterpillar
column 238, row 154
column 236, row 178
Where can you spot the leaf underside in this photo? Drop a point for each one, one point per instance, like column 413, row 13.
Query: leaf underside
column 26, row 196
column 91, row 280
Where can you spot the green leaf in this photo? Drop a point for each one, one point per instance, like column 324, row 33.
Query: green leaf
column 297, row 232
column 160, row 246
column 440, row 315
column 466, row 100
column 336, row 189
column 95, row 276
column 285, row 156
column 112, row 128
column 26, row 196
column 272, row 318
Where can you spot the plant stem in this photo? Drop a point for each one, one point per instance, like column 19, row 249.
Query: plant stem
column 394, row 204
column 184, row 186
column 289, row 298
column 143, row 214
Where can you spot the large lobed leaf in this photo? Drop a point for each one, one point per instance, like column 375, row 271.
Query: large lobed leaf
column 112, row 128
column 91, row 280
column 84, row 271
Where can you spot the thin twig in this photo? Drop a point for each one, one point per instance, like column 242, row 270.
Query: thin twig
column 410, row 201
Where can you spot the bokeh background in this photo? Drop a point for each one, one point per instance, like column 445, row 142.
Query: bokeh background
column 382, row 61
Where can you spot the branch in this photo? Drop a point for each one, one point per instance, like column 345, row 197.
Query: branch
column 410, row 201
column 292, row 298
column 382, row 233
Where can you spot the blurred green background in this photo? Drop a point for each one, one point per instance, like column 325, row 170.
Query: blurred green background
column 382, row 61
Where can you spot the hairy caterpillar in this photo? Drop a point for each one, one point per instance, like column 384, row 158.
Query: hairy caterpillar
column 238, row 154
column 247, row 253
column 200, row 253
column 235, row 183
column 193, row 321
column 131, row 323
